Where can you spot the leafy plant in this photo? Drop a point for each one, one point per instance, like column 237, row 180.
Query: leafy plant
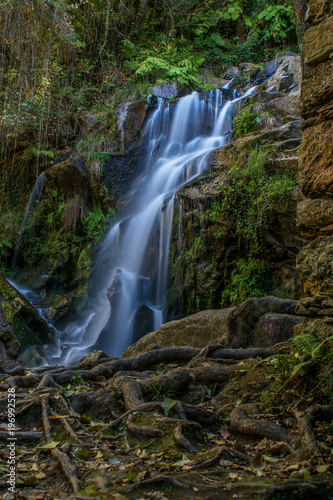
column 250, row 278
column 246, row 122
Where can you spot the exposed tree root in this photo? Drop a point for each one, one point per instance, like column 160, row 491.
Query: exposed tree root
column 314, row 490
column 21, row 435
column 69, row 469
column 242, row 423
column 179, row 437
column 158, row 479
column 142, row 430
column 305, row 422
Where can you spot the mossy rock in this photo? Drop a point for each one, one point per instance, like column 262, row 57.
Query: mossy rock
column 20, row 324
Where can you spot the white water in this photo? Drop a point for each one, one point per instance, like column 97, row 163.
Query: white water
column 134, row 255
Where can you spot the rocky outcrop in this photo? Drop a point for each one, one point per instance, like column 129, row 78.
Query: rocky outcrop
column 208, row 242
column 315, row 215
column 20, row 324
column 316, row 164
column 260, row 322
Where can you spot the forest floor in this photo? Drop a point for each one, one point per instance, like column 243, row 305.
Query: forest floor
column 169, row 423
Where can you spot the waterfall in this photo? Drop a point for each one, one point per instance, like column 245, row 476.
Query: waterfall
column 34, row 198
column 129, row 282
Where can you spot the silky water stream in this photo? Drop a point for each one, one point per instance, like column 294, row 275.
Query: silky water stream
column 130, row 277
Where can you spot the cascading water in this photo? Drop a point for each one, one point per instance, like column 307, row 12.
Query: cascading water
column 131, row 271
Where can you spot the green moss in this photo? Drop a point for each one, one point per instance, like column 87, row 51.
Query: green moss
column 250, row 278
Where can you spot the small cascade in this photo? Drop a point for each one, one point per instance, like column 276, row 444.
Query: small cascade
column 34, row 198
column 130, row 277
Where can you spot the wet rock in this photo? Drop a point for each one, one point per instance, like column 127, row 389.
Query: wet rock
column 132, row 124
column 316, row 161
column 70, row 179
column 20, row 324
column 315, row 265
column 94, row 358
column 271, row 68
column 166, row 90
column 143, row 322
column 231, row 73
column 120, row 171
column 196, row 330
column 235, row 327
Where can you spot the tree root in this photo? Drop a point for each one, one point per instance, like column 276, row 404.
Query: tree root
column 242, row 423
column 316, row 490
column 157, row 479
column 21, row 435
column 142, row 430
column 146, row 407
column 69, row 469
column 305, row 422
column 179, row 437
column 108, row 369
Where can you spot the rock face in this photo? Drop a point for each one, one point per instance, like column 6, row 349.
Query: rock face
column 208, row 239
column 260, row 322
column 315, row 215
column 20, row 325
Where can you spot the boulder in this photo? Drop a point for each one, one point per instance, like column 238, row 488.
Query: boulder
column 288, row 72
column 231, row 73
column 274, row 328
column 316, row 161
column 271, row 68
column 286, row 108
column 20, row 324
column 70, row 179
column 241, row 324
column 315, row 264
column 197, row 330
column 131, row 125
column 235, row 327
column 291, row 130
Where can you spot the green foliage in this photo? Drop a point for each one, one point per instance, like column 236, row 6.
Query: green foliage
column 165, row 62
column 246, row 122
column 251, row 196
column 307, row 376
column 250, row 278
column 95, row 224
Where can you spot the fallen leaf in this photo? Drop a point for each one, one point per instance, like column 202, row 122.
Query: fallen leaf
column 224, row 432
column 322, row 468
column 272, row 460
column 300, row 474
column 49, row 446
column 257, row 462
